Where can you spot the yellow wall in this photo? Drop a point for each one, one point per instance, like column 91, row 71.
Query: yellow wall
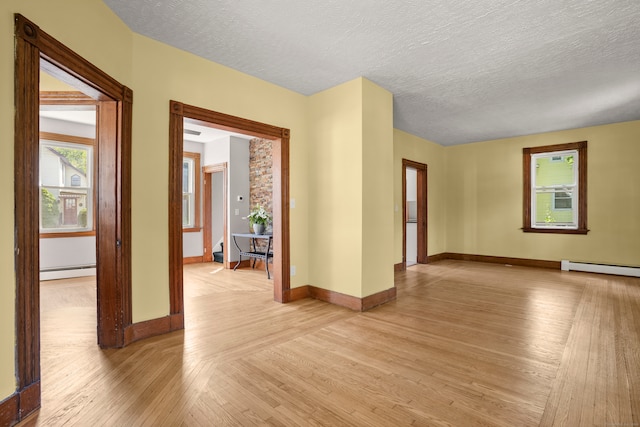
column 156, row 73
column 162, row 73
column 484, row 198
column 7, row 274
column 88, row 37
column 377, row 189
column 335, row 210
column 351, row 183
column 406, row 146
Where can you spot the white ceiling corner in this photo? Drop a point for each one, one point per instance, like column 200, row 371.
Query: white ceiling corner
column 460, row 71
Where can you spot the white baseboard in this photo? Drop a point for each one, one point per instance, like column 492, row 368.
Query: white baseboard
column 67, row 274
column 600, row 268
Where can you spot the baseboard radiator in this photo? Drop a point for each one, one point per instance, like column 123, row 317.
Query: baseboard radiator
column 600, row 268
column 67, row 272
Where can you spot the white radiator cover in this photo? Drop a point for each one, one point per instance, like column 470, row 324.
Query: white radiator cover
column 600, row 268
column 68, row 272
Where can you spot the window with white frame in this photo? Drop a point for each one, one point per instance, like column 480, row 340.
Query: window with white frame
column 191, row 191
column 555, row 188
column 66, row 184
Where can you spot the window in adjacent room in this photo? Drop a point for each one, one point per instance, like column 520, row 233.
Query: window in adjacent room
column 191, row 191
column 66, row 184
column 555, row 188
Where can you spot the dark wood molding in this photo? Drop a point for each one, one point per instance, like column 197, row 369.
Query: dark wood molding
column 581, row 147
column 20, row 404
column 422, row 212
column 124, row 196
column 337, row 298
column 26, row 161
column 555, row 230
column 295, row 294
column 207, row 173
column 193, row 260
column 29, row 399
column 379, row 298
column 65, row 235
column 401, row 266
column 35, row 50
column 176, row 129
column 524, row 262
column 66, row 65
column 280, row 137
column 351, row 302
column 49, row 136
column 151, row 328
column 65, row 98
column 10, row 410
column 243, row 264
column 436, row 257
column 207, row 239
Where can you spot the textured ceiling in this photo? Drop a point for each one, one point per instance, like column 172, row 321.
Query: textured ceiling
column 460, row 71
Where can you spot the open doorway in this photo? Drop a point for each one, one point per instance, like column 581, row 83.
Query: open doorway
column 215, row 213
column 280, row 168
column 411, row 218
column 414, row 210
column 36, row 50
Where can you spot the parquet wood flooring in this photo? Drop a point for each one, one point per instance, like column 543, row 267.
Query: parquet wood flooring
column 464, row 344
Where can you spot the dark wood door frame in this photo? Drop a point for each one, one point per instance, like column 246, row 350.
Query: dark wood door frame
column 421, row 169
column 35, row 49
column 280, row 137
column 207, row 173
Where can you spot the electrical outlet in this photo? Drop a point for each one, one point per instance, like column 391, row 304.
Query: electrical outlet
column 237, row 211
column 293, row 270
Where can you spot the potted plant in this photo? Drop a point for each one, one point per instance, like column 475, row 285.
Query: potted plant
column 259, row 218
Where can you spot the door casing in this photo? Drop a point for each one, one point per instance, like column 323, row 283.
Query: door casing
column 280, row 167
column 36, row 50
column 421, row 169
column 207, row 173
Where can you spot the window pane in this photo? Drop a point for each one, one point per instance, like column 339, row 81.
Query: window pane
column 562, row 200
column 66, row 193
column 186, row 210
column 551, row 172
column 186, row 176
column 555, row 191
column 547, row 216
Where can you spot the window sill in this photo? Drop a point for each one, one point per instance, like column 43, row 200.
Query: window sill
column 192, row 230
column 68, row 234
column 555, row 230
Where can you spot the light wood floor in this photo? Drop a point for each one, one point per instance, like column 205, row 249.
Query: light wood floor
column 465, row 344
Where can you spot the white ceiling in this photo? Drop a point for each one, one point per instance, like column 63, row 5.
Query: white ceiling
column 459, row 70
column 207, row 133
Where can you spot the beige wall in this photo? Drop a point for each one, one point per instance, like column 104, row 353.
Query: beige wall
column 350, row 180
column 162, row 73
column 484, row 198
column 377, row 189
column 335, row 185
column 406, row 146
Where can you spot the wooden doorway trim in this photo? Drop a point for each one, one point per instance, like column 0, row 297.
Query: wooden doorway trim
column 280, row 137
column 421, row 169
column 207, row 173
column 35, row 49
